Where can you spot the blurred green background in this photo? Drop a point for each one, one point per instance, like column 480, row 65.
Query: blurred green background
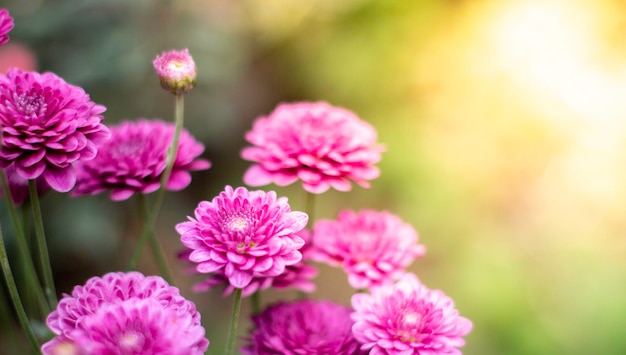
column 504, row 121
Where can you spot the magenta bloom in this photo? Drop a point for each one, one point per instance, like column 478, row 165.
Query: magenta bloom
column 138, row 326
column 176, row 71
column 134, row 159
column 303, row 327
column 19, row 186
column 47, row 126
column 245, row 234
column 128, row 312
column 6, row 25
column 321, row 145
column 298, row 276
column 372, row 247
column 407, row 318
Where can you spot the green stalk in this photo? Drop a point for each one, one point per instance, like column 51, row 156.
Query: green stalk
column 157, row 250
column 15, row 297
column 30, row 273
column 310, row 206
column 255, row 300
column 148, row 228
column 42, row 247
column 234, row 321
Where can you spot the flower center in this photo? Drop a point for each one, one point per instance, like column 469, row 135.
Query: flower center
column 31, row 105
column 412, row 319
column 129, row 147
column 131, row 340
column 179, row 69
column 237, row 224
column 409, row 326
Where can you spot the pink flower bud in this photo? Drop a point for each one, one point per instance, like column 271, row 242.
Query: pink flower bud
column 176, row 71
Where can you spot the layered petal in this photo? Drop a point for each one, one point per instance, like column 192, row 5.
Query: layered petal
column 243, row 236
column 134, row 159
column 321, row 145
column 408, row 318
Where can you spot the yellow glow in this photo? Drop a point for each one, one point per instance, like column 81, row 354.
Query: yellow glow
column 555, row 48
column 539, row 113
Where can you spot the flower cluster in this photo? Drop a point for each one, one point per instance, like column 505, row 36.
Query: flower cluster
column 134, row 159
column 244, row 234
column 373, row 248
column 247, row 241
column 47, row 126
column 126, row 313
column 321, row 145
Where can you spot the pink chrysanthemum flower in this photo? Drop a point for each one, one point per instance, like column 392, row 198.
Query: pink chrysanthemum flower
column 303, row 327
column 372, row 247
column 176, row 71
column 134, row 159
column 47, row 126
column 298, row 276
column 245, row 234
column 321, row 145
column 138, row 327
column 6, row 25
column 115, row 298
column 407, row 318
column 18, row 186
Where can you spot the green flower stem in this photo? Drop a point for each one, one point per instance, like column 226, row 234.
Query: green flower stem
column 157, row 250
column 234, row 321
column 310, row 207
column 255, row 300
column 42, row 247
column 30, row 273
column 15, row 297
column 148, row 228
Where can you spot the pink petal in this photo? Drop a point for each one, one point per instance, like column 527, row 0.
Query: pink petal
column 62, row 180
column 257, row 176
column 179, row 180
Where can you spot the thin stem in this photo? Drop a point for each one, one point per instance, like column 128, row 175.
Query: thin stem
column 44, row 258
column 234, row 322
column 310, row 206
column 30, row 273
column 255, row 300
column 148, row 228
column 157, row 250
column 15, row 297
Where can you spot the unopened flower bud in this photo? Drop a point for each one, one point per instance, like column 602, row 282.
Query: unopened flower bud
column 176, row 71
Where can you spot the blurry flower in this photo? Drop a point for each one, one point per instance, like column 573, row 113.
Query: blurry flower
column 321, row 145
column 303, row 327
column 298, row 276
column 245, row 234
column 176, row 71
column 19, row 186
column 131, row 306
column 17, row 55
column 372, row 247
column 134, row 159
column 407, row 318
column 47, row 126
column 6, row 25
column 138, row 326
